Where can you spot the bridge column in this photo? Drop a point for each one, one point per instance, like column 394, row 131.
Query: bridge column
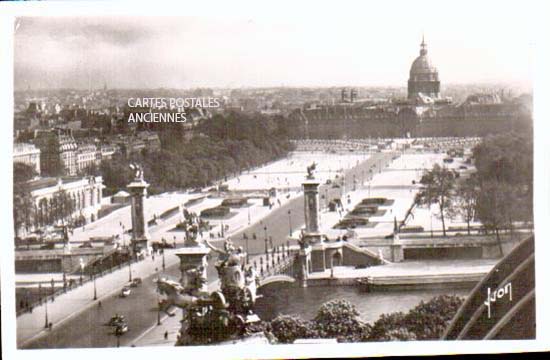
column 311, row 205
column 140, row 235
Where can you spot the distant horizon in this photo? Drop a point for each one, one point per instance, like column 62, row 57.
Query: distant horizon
column 403, row 87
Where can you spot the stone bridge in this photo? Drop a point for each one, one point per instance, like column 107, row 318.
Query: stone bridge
column 283, row 263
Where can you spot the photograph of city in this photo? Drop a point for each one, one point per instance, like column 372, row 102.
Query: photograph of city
column 183, row 181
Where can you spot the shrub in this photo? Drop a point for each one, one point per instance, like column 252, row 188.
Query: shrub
column 386, row 324
column 428, row 320
column 287, row 328
column 339, row 319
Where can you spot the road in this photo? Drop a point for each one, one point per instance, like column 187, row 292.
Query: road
column 87, row 329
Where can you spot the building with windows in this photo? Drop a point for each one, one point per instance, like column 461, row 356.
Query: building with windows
column 27, row 154
column 423, row 76
column 70, row 199
column 58, row 153
column 86, row 157
column 424, row 113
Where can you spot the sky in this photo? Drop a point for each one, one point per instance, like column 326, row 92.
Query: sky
column 367, row 46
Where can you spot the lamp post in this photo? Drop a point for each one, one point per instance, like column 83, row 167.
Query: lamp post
column 46, row 323
column 158, row 308
column 289, row 224
column 265, row 231
column 130, row 269
column 95, row 289
column 81, row 269
column 246, row 244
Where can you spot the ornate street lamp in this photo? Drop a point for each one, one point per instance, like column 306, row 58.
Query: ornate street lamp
column 289, row 224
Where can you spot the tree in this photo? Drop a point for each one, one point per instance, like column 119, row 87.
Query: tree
column 63, row 206
column 23, row 205
column 426, row 321
column 54, row 166
column 288, row 328
column 340, row 319
column 22, row 172
column 464, row 203
column 387, row 324
column 506, row 158
column 438, row 187
column 496, row 206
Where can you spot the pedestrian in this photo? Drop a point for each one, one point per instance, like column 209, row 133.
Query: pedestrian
column 99, row 304
column 165, row 335
column 50, row 325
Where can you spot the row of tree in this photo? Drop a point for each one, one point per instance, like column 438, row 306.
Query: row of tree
column 224, row 146
column 340, row 319
column 498, row 194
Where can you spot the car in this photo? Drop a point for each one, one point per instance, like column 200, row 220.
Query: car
column 121, row 329
column 125, row 292
column 116, row 320
column 463, row 167
column 136, row 282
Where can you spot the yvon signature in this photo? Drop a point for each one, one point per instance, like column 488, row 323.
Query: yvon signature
column 497, row 294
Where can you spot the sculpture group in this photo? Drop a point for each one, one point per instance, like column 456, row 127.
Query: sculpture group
column 219, row 315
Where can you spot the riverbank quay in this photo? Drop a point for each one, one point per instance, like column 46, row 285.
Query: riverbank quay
column 406, row 275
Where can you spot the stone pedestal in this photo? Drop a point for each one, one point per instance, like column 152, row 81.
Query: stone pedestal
column 140, row 234
column 193, row 265
column 396, row 253
column 396, row 249
column 304, row 263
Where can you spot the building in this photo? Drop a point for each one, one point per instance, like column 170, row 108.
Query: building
column 87, row 156
column 27, row 154
column 423, row 114
column 423, row 77
column 83, row 198
column 107, row 151
column 151, row 140
column 58, row 153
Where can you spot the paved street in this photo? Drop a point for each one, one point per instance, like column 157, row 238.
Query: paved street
column 86, row 329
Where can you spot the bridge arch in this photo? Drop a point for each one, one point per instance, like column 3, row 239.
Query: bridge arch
column 276, row 278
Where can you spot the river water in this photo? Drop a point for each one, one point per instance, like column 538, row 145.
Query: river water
column 288, row 299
